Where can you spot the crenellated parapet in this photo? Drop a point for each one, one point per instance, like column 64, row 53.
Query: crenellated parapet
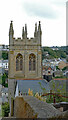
column 36, row 40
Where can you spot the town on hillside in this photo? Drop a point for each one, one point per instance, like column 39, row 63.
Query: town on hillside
column 54, row 62
column 54, row 67
column 33, row 78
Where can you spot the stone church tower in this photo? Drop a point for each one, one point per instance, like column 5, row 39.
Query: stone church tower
column 25, row 57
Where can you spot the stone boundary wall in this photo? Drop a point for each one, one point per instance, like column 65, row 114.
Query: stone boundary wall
column 63, row 105
column 31, row 107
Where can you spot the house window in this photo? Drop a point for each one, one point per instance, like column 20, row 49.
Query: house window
column 32, row 62
column 19, row 62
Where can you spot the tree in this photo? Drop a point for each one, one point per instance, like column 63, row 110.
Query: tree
column 56, row 91
column 4, row 55
column 64, row 68
column 53, row 53
column 5, row 109
column 4, row 79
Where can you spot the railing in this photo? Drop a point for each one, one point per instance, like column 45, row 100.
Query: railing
column 54, row 96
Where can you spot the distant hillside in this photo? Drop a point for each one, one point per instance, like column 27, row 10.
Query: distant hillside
column 64, row 48
column 60, row 53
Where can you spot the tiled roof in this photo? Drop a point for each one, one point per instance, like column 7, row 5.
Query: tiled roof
column 34, row 85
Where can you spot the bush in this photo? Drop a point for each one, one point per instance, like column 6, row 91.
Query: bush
column 4, row 55
column 5, row 109
column 65, row 68
column 4, row 79
column 57, row 68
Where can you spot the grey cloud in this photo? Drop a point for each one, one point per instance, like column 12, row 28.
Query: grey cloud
column 40, row 10
column 59, row 2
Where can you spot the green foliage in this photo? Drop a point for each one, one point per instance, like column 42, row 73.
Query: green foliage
column 44, row 90
column 48, row 100
column 50, row 52
column 64, row 68
column 5, row 109
column 6, row 84
column 57, row 67
column 0, row 54
column 57, row 98
column 4, row 55
column 53, row 53
column 12, row 106
column 58, row 90
column 61, row 53
column 60, row 76
column 0, row 79
column 4, row 79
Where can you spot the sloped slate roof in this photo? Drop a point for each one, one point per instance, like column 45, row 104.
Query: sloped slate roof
column 24, row 85
column 5, row 90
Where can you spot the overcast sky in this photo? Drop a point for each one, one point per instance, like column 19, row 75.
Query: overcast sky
column 51, row 13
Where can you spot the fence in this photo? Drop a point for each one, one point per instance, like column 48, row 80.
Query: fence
column 54, row 95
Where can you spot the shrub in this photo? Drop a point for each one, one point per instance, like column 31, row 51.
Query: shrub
column 4, row 55
column 5, row 109
column 4, row 77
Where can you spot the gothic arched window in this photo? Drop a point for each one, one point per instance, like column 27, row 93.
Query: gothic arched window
column 19, row 62
column 32, row 62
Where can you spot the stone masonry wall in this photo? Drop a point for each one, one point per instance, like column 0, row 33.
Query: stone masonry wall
column 22, row 109
column 31, row 107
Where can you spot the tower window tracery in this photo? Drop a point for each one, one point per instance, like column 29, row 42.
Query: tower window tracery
column 32, row 62
column 19, row 62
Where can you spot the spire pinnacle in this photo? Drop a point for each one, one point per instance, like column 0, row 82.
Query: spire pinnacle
column 25, row 30
column 39, row 26
column 36, row 27
column 23, row 33
column 11, row 31
column 35, row 33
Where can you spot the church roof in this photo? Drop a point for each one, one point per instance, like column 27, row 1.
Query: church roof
column 35, row 85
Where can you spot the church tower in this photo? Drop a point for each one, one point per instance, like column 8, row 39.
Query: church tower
column 25, row 57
